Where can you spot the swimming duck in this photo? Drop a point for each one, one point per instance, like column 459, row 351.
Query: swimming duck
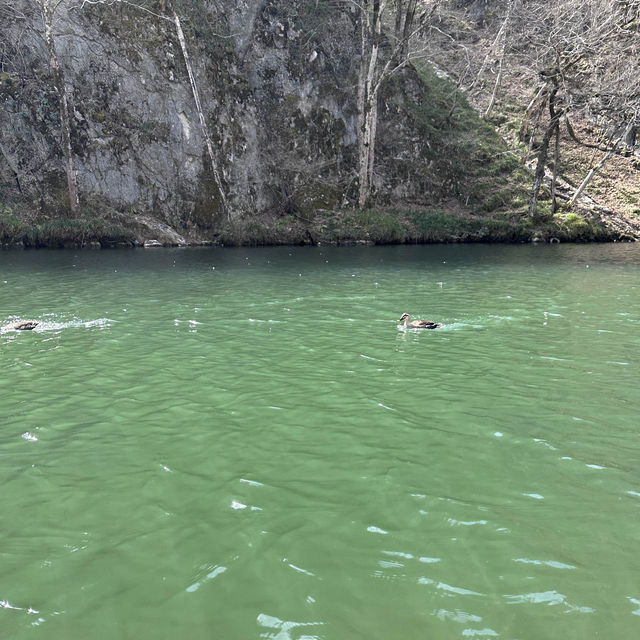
column 418, row 324
column 21, row 325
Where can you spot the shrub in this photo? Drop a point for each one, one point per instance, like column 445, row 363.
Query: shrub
column 12, row 229
column 64, row 231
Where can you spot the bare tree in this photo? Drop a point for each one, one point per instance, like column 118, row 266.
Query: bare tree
column 573, row 45
column 592, row 172
column 386, row 31
column 503, row 36
column 579, row 58
column 48, row 9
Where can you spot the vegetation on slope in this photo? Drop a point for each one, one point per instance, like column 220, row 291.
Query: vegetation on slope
column 443, row 172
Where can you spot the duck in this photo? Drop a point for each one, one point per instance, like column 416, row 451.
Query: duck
column 21, row 325
column 418, row 324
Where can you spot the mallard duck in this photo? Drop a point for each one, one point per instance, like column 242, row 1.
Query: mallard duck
column 21, row 325
column 418, row 324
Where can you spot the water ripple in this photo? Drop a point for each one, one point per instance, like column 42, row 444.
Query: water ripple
column 248, row 436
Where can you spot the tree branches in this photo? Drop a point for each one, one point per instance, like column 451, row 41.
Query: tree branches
column 576, row 48
column 48, row 10
column 382, row 55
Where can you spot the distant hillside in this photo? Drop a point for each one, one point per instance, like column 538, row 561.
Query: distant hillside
column 524, row 63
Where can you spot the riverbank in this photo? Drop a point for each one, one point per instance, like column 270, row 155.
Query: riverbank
column 346, row 227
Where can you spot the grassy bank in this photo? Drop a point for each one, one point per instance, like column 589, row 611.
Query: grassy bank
column 345, row 227
column 414, row 226
column 61, row 232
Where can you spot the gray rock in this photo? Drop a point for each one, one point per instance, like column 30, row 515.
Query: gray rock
column 277, row 86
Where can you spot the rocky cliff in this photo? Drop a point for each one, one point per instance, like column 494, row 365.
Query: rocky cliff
column 237, row 121
column 278, row 87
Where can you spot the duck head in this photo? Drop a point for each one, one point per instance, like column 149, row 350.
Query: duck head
column 405, row 317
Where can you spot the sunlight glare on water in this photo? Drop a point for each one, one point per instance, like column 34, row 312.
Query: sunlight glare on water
column 244, row 443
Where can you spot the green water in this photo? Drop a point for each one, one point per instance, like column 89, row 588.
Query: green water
column 241, row 443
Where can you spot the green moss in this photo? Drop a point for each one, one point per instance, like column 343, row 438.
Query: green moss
column 307, row 199
column 471, row 160
column 579, row 228
column 12, row 229
column 207, row 211
column 9, row 87
column 285, row 230
column 59, row 232
column 154, row 131
column 77, row 232
column 416, row 226
column 434, row 226
column 380, row 226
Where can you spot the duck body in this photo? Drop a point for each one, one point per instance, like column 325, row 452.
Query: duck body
column 21, row 325
column 405, row 319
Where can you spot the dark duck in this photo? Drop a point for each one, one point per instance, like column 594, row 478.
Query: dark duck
column 406, row 320
column 21, row 325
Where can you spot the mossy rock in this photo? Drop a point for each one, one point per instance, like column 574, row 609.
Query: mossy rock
column 307, row 199
column 208, row 207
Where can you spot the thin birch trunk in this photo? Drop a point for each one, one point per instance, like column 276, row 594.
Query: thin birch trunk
column 483, row 66
column 373, row 117
column 373, row 72
column 65, row 121
column 556, row 165
column 201, row 116
column 540, row 165
column 364, row 189
column 496, row 86
column 362, row 73
column 592, row 172
column 527, row 113
column 362, row 106
column 368, row 97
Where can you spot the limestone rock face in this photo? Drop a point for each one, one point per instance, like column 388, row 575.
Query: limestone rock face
column 278, row 88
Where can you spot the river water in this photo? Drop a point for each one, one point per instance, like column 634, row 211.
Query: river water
column 243, row 443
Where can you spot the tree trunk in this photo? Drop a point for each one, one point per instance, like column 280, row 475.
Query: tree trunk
column 373, row 73
column 373, row 126
column 541, row 162
column 65, row 121
column 366, row 145
column 543, row 152
column 556, row 165
column 201, row 116
column 367, row 150
column 371, row 29
column 496, row 86
column 503, row 53
column 592, row 173
column 362, row 113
